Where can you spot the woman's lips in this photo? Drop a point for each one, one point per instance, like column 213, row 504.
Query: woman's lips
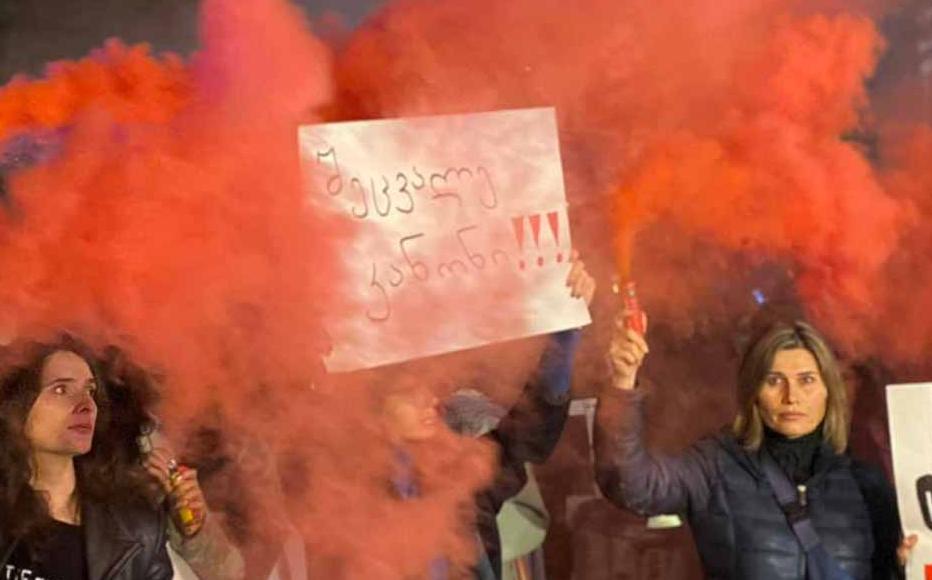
column 83, row 429
column 792, row 416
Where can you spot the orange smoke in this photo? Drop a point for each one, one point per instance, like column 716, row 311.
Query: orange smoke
column 172, row 220
column 723, row 122
column 774, row 175
column 125, row 82
column 901, row 323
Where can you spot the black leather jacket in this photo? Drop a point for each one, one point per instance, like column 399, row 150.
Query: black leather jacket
column 125, row 543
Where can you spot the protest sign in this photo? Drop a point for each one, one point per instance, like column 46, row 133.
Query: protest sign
column 462, row 233
column 910, row 411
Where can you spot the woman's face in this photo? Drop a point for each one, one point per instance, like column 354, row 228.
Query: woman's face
column 792, row 399
column 63, row 416
column 412, row 415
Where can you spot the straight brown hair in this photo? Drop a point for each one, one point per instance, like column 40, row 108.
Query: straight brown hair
column 748, row 426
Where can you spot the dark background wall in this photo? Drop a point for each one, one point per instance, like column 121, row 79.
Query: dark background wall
column 33, row 32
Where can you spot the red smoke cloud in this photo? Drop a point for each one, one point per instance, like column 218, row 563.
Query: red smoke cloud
column 901, row 323
column 174, row 217
column 773, row 175
column 723, row 120
column 126, row 82
column 173, row 222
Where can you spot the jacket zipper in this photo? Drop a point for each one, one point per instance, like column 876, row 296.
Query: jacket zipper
column 803, row 501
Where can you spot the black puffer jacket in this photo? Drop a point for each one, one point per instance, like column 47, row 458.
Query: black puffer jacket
column 739, row 528
column 126, row 543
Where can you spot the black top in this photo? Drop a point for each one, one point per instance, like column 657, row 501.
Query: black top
column 60, row 557
column 796, row 457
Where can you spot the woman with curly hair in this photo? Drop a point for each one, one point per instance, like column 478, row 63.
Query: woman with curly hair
column 76, row 502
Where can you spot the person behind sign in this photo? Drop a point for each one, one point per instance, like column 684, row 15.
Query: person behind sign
column 778, row 479
column 75, row 501
column 528, row 432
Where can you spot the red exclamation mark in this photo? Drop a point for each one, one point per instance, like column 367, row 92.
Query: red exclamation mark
column 535, row 231
column 517, row 223
column 553, row 219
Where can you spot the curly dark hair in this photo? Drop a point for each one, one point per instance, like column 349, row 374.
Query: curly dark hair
column 112, row 472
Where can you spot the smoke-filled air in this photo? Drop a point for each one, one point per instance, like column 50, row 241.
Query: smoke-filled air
column 156, row 203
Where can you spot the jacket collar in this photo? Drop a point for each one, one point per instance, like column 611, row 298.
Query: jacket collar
column 826, row 458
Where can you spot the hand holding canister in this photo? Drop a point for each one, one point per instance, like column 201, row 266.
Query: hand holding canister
column 628, row 347
column 189, row 509
column 175, row 476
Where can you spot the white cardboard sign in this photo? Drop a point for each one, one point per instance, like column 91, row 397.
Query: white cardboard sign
column 910, row 410
column 462, row 235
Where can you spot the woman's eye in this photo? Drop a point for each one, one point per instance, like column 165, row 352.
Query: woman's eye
column 59, row 389
column 807, row 380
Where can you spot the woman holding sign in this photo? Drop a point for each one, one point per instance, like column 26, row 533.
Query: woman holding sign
column 526, row 433
column 775, row 495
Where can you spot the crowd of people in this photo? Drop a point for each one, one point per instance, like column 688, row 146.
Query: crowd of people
column 90, row 488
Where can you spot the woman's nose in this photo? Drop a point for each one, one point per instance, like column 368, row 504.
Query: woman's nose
column 86, row 402
column 791, row 393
